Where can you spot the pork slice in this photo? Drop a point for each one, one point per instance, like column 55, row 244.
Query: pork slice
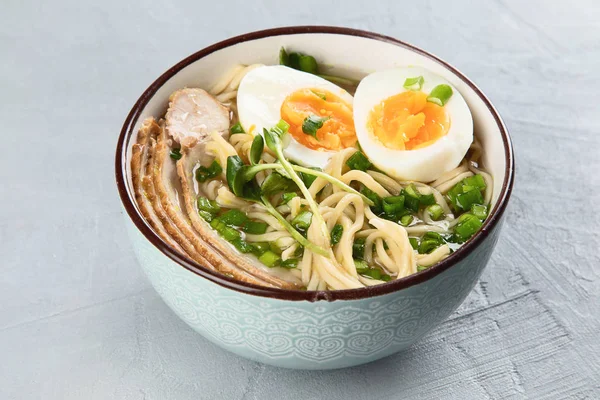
column 163, row 179
column 278, row 277
column 193, row 114
column 140, row 156
column 148, row 185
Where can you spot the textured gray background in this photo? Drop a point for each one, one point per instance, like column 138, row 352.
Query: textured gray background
column 78, row 320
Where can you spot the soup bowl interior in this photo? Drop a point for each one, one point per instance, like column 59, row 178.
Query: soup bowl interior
column 347, row 53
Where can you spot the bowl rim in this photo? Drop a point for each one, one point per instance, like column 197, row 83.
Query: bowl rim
column 490, row 223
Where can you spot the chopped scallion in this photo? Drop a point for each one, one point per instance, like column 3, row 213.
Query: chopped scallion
column 302, row 221
column 480, row 211
column 234, row 217
column 286, row 197
column 289, row 263
column 254, row 227
column 406, row 220
column 205, row 173
column 440, row 95
column 393, row 205
column 336, row 234
column 415, row 83
column 435, row 211
column 358, row 248
column 358, row 161
column 467, row 226
column 414, row 242
column 269, row 259
column 175, row 154
column 209, row 206
column 312, row 124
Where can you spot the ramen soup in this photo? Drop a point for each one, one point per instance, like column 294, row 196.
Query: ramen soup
column 282, row 177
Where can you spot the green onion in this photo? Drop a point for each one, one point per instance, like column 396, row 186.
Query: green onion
column 234, row 217
column 205, row 173
column 375, row 273
column 209, row 206
column 175, row 154
column 359, row 162
column 479, row 211
column 440, row 95
column 307, row 178
column 358, row 248
column 302, row 221
column 260, row 247
column 312, row 124
column 361, row 266
column 256, row 150
column 414, row 83
column 421, row 268
column 274, row 247
column 206, row 215
column 321, row 95
column 230, row 234
column 336, row 234
column 406, row 220
column 471, row 195
column 429, row 242
column 298, row 61
column 286, row 197
column 254, row 227
column 393, row 205
column 289, row 263
column 308, row 64
column 467, row 192
column 373, row 197
column 467, row 226
column 284, row 59
column 476, row 181
column 237, row 128
column 427, row 199
column 269, row 259
column 414, row 242
column 412, row 198
column 276, row 183
column 435, row 212
column 243, row 246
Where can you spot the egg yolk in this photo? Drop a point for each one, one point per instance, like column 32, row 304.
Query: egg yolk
column 336, row 133
column 407, row 121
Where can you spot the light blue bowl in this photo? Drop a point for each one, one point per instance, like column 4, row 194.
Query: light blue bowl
column 314, row 330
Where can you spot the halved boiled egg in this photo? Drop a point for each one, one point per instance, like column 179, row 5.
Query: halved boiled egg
column 271, row 93
column 412, row 124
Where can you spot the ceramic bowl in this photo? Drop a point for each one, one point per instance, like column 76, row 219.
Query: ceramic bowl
column 302, row 329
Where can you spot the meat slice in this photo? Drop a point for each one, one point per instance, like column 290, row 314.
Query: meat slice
column 206, row 245
column 140, row 159
column 193, row 114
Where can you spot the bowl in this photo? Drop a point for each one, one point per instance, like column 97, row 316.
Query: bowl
column 314, row 329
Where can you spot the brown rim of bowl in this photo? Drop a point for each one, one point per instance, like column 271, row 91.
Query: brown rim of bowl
column 296, row 295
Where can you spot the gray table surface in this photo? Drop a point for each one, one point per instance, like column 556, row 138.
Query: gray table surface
column 78, row 319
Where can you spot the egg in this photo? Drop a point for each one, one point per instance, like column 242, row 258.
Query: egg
column 409, row 133
column 272, row 93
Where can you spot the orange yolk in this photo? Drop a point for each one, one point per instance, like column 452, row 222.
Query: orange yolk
column 337, row 132
column 407, row 121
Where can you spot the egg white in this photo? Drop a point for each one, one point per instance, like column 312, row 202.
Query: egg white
column 425, row 164
column 259, row 99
